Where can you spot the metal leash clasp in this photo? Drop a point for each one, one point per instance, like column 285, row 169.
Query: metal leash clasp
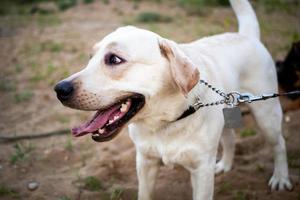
column 236, row 98
column 233, row 99
column 249, row 98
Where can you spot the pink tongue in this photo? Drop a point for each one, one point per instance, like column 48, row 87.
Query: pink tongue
column 95, row 124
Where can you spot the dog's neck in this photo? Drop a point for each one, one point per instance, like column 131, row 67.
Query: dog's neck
column 170, row 108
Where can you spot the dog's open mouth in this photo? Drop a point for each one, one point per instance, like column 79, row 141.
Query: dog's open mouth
column 107, row 123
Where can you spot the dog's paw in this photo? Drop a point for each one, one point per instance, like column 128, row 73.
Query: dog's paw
column 280, row 183
column 222, row 167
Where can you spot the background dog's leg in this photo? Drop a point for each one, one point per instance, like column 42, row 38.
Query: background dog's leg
column 147, row 171
column 228, row 148
column 203, row 179
column 269, row 118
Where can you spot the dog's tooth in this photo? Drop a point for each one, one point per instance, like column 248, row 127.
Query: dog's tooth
column 96, row 135
column 101, row 131
column 123, row 108
column 110, row 121
column 116, row 118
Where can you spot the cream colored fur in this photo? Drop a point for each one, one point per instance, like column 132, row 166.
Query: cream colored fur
column 230, row 62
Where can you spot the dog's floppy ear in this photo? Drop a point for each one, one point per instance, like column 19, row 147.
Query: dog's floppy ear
column 184, row 72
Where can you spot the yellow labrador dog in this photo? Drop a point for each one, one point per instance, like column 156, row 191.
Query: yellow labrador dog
column 141, row 80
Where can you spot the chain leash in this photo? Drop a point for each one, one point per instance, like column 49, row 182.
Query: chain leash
column 236, row 98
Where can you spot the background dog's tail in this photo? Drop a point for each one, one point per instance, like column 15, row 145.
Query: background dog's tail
column 248, row 23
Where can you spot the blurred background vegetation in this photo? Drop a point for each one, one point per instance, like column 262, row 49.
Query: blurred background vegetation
column 196, row 18
column 44, row 41
column 193, row 6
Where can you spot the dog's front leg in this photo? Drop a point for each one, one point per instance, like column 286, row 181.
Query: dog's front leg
column 202, row 179
column 146, row 170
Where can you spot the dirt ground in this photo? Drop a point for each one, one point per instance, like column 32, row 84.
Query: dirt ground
column 38, row 50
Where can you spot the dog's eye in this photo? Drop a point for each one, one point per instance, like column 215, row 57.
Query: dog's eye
column 112, row 59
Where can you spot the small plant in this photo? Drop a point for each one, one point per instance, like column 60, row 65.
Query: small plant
column 105, row 1
column 55, row 47
column 196, row 6
column 6, row 85
column 224, row 188
column 66, row 4
column 43, row 73
column 6, row 191
column 52, row 46
column 69, row 145
column 116, row 194
column 64, row 198
column 247, row 133
column 240, row 195
column 292, row 160
column 23, row 96
column 295, row 37
column 92, row 183
column 88, row 1
column 62, row 119
column 21, row 153
column 18, row 68
column 152, row 17
column 38, row 76
column 48, row 20
column 271, row 5
column 260, row 168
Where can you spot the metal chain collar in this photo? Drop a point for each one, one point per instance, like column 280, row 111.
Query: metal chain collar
column 225, row 99
column 236, row 98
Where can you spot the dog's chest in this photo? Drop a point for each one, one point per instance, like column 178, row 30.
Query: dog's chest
column 171, row 152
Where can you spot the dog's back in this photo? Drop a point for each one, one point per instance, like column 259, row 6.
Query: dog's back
column 240, row 57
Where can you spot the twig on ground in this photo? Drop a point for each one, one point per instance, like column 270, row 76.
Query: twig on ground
column 5, row 139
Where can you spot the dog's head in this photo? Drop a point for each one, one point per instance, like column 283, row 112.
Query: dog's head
column 131, row 68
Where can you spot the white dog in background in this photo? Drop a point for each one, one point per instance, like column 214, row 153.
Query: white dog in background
column 136, row 77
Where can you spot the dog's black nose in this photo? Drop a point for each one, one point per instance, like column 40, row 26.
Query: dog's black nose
column 64, row 90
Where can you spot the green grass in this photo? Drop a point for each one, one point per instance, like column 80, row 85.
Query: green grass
column 6, row 191
column 88, row 1
column 21, row 153
column 18, row 68
column 48, row 20
column 105, row 1
column 295, row 37
column 64, row 198
column 8, row 7
column 45, row 46
column 65, row 4
column 69, row 145
column 247, row 133
column 293, row 160
column 6, row 85
column 225, row 188
column 282, row 5
column 240, row 195
column 38, row 76
column 51, row 46
column 198, row 6
column 91, row 183
column 116, row 194
column 62, row 119
column 260, row 168
column 43, row 73
column 152, row 17
column 23, row 96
